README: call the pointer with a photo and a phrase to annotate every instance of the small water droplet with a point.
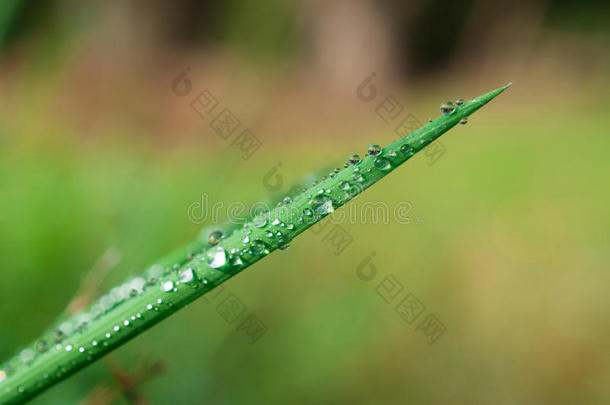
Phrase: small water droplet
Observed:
(167, 286)
(459, 102)
(307, 212)
(216, 257)
(344, 186)
(116, 328)
(373, 150)
(81, 349)
(358, 177)
(287, 200)
(447, 107)
(94, 343)
(108, 336)
(354, 159)
(247, 239)
(68, 348)
(125, 322)
(464, 121)
(284, 247)
(215, 237)
(276, 221)
(290, 227)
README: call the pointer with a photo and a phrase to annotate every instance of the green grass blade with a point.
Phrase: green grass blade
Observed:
(190, 272)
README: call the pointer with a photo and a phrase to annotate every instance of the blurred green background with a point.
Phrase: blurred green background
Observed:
(508, 243)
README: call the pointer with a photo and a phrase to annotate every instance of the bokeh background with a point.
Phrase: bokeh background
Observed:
(507, 243)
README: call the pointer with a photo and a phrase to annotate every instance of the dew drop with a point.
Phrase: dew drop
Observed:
(125, 322)
(187, 276)
(354, 159)
(285, 247)
(459, 102)
(464, 121)
(344, 186)
(276, 221)
(81, 349)
(290, 227)
(287, 200)
(407, 149)
(27, 356)
(247, 239)
(447, 107)
(307, 212)
(215, 237)
(258, 248)
(94, 343)
(116, 328)
(167, 286)
(216, 257)
(42, 346)
(373, 150)
(58, 336)
(235, 260)
(259, 221)
(322, 205)
(69, 348)
(382, 164)
(358, 177)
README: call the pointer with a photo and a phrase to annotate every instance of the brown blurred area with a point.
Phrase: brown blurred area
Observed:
(268, 59)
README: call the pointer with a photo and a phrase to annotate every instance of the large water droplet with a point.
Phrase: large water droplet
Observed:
(382, 164)
(187, 276)
(354, 159)
(215, 237)
(42, 346)
(27, 356)
(258, 247)
(447, 107)
(216, 257)
(167, 286)
(322, 205)
(407, 149)
(373, 150)
(259, 221)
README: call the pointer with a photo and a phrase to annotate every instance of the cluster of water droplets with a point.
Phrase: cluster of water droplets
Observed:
(449, 107)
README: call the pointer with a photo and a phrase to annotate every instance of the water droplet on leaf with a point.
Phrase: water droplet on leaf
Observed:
(373, 150)
(447, 107)
(216, 257)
